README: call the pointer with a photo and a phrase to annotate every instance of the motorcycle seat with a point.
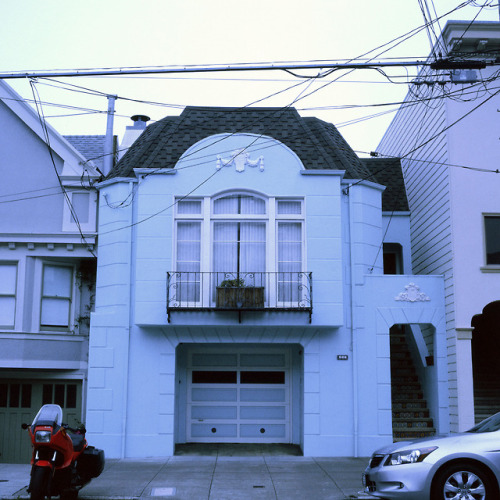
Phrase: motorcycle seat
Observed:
(78, 441)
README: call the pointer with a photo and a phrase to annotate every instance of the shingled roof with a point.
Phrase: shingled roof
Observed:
(388, 172)
(90, 146)
(318, 144)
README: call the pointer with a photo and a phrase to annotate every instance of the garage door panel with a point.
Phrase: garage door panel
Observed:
(257, 395)
(263, 431)
(263, 412)
(207, 394)
(211, 359)
(217, 431)
(263, 360)
(214, 412)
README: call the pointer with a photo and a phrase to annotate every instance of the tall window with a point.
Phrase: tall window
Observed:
(239, 243)
(492, 237)
(188, 250)
(289, 261)
(188, 260)
(57, 291)
(8, 285)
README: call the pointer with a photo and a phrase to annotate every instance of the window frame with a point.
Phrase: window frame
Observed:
(14, 295)
(488, 267)
(68, 224)
(73, 299)
(207, 218)
(289, 219)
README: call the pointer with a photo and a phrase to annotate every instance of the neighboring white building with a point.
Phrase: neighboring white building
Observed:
(240, 293)
(448, 138)
(47, 272)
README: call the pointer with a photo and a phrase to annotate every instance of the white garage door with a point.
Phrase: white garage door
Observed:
(239, 396)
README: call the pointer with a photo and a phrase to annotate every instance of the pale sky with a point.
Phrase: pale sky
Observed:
(65, 34)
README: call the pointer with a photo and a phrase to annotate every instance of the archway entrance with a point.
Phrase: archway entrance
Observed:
(486, 361)
(410, 387)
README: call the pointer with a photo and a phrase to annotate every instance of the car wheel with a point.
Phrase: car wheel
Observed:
(462, 480)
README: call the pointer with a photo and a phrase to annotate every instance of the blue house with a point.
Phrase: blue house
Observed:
(48, 244)
(241, 295)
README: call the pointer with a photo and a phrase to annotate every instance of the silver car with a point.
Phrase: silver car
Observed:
(461, 466)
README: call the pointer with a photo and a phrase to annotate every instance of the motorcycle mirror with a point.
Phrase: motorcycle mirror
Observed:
(24, 426)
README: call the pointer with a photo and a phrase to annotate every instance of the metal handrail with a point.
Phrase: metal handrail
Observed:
(284, 291)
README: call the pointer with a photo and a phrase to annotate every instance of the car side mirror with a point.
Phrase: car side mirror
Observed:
(24, 426)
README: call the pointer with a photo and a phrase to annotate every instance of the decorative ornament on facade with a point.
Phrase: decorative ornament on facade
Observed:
(412, 294)
(240, 159)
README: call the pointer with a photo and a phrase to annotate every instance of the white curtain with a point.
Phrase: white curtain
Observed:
(188, 261)
(289, 261)
(239, 249)
(287, 207)
(239, 204)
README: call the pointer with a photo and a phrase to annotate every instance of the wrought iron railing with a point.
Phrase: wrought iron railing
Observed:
(283, 291)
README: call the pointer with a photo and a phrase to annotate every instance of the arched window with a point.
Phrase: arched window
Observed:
(239, 237)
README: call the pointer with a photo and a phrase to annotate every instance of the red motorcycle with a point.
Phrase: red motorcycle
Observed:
(62, 462)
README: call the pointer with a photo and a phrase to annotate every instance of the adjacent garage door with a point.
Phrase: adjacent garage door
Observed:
(239, 397)
(20, 401)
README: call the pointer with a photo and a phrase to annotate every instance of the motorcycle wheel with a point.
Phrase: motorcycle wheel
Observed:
(38, 483)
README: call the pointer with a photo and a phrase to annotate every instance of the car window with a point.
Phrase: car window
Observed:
(491, 424)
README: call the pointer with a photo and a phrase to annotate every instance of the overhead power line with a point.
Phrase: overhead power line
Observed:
(238, 67)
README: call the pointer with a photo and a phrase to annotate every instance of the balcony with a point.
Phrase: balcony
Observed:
(239, 292)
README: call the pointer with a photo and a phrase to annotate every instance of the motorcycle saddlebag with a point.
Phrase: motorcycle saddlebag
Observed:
(91, 462)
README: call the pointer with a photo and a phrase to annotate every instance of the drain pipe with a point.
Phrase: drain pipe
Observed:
(354, 349)
(128, 332)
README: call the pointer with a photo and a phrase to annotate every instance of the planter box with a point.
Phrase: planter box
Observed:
(249, 297)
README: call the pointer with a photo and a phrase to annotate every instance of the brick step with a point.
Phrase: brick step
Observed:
(480, 416)
(486, 402)
(403, 371)
(400, 379)
(414, 431)
(409, 404)
(487, 392)
(400, 355)
(397, 397)
(410, 413)
(486, 410)
(401, 366)
(412, 423)
(403, 434)
(407, 386)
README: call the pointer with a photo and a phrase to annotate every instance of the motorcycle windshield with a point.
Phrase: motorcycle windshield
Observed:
(49, 415)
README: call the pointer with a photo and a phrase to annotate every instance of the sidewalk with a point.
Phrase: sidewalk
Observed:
(212, 478)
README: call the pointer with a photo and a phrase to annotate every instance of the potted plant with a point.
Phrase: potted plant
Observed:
(234, 283)
(235, 294)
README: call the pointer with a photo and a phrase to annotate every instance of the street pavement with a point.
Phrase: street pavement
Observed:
(262, 477)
